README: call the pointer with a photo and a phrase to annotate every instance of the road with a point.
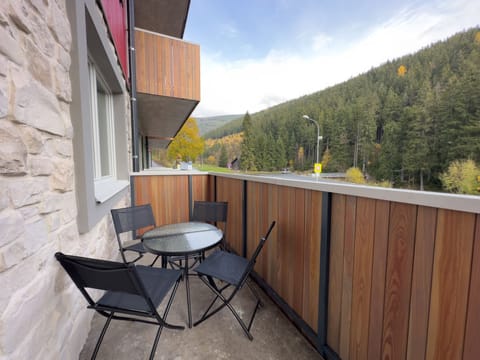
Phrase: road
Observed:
(323, 178)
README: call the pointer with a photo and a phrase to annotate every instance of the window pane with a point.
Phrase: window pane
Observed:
(103, 131)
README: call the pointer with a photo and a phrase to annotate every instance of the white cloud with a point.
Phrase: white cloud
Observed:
(320, 41)
(253, 85)
(229, 30)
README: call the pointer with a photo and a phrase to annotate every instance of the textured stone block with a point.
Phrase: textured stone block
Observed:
(40, 165)
(11, 46)
(37, 107)
(62, 147)
(62, 177)
(25, 305)
(63, 87)
(22, 16)
(52, 202)
(32, 139)
(60, 27)
(13, 152)
(27, 191)
(12, 224)
(4, 103)
(38, 64)
(4, 201)
(63, 58)
(36, 235)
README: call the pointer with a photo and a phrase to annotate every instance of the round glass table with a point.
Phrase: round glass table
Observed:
(182, 239)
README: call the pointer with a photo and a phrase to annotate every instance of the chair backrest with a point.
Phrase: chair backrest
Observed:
(88, 273)
(209, 211)
(253, 259)
(132, 218)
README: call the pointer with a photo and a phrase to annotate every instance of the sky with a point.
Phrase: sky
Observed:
(255, 54)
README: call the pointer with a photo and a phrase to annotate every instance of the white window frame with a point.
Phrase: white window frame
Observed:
(106, 185)
(95, 78)
(96, 195)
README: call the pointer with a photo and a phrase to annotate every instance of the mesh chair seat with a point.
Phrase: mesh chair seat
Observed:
(138, 247)
(157, 283)
(224, 266)
(233, 271)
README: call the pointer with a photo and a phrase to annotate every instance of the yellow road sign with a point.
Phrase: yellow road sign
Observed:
(317, 169)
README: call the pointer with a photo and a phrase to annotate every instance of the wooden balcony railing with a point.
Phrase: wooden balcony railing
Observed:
(364, 273)
(167, 66)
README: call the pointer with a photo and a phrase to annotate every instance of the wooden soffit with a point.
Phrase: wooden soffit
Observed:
(166, 17)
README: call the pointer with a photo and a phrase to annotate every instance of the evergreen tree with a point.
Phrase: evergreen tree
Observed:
(280, 160)
(409, 118)
(223, 159)
(247, 159)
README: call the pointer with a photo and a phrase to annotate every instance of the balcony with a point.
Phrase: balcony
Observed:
(363, 272)
(168, 83)
(220, 337)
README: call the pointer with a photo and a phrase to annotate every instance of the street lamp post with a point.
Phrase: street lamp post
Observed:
(318, 133)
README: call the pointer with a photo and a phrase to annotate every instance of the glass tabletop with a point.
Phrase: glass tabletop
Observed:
(181, 238)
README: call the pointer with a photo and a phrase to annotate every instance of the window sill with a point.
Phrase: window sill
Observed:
(107, 189)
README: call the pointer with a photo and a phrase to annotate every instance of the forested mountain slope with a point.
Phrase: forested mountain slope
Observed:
(406, 119)
(206, 125)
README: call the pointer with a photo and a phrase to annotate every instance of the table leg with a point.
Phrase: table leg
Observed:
(187, 286)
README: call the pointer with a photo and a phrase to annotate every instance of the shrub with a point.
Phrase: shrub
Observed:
(384, 183)
(355, 175)
(461, 177)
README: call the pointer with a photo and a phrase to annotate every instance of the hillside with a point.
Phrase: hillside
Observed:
(208, 124)
(404, 121)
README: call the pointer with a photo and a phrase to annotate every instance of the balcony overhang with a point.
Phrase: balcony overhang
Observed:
(168, 84)
(162, 16)
(161, 117)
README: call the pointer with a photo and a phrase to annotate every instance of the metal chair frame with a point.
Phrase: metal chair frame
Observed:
(132, 290)
(133, 218)
(204, 211)
(213, 268)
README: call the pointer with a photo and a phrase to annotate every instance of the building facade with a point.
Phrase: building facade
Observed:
(71, 133)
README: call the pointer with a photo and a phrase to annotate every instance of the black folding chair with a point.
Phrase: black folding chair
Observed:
(132, 219)
(211, 212)
(134, 291)
(233, 271)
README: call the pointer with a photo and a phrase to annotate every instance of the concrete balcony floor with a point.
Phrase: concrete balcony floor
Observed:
(219, 337)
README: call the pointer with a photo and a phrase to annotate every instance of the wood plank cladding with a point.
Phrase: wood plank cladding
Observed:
(169, 195)
(167, 66)
(231, 191)
(404, 281)
(290, 261)
(450, 284)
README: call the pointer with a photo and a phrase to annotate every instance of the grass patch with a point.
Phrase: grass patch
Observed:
(212, 168)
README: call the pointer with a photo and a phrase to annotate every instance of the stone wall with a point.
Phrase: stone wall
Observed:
(42, 315)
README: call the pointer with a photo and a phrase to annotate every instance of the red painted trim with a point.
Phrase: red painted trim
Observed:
(115, 12)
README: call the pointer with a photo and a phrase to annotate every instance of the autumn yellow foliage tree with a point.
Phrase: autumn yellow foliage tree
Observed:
(187, 144)
(477, 37)
(402, 70)
(461, 177)
(300, 155)
(326, 158)
(354, 175)
(231, 143)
